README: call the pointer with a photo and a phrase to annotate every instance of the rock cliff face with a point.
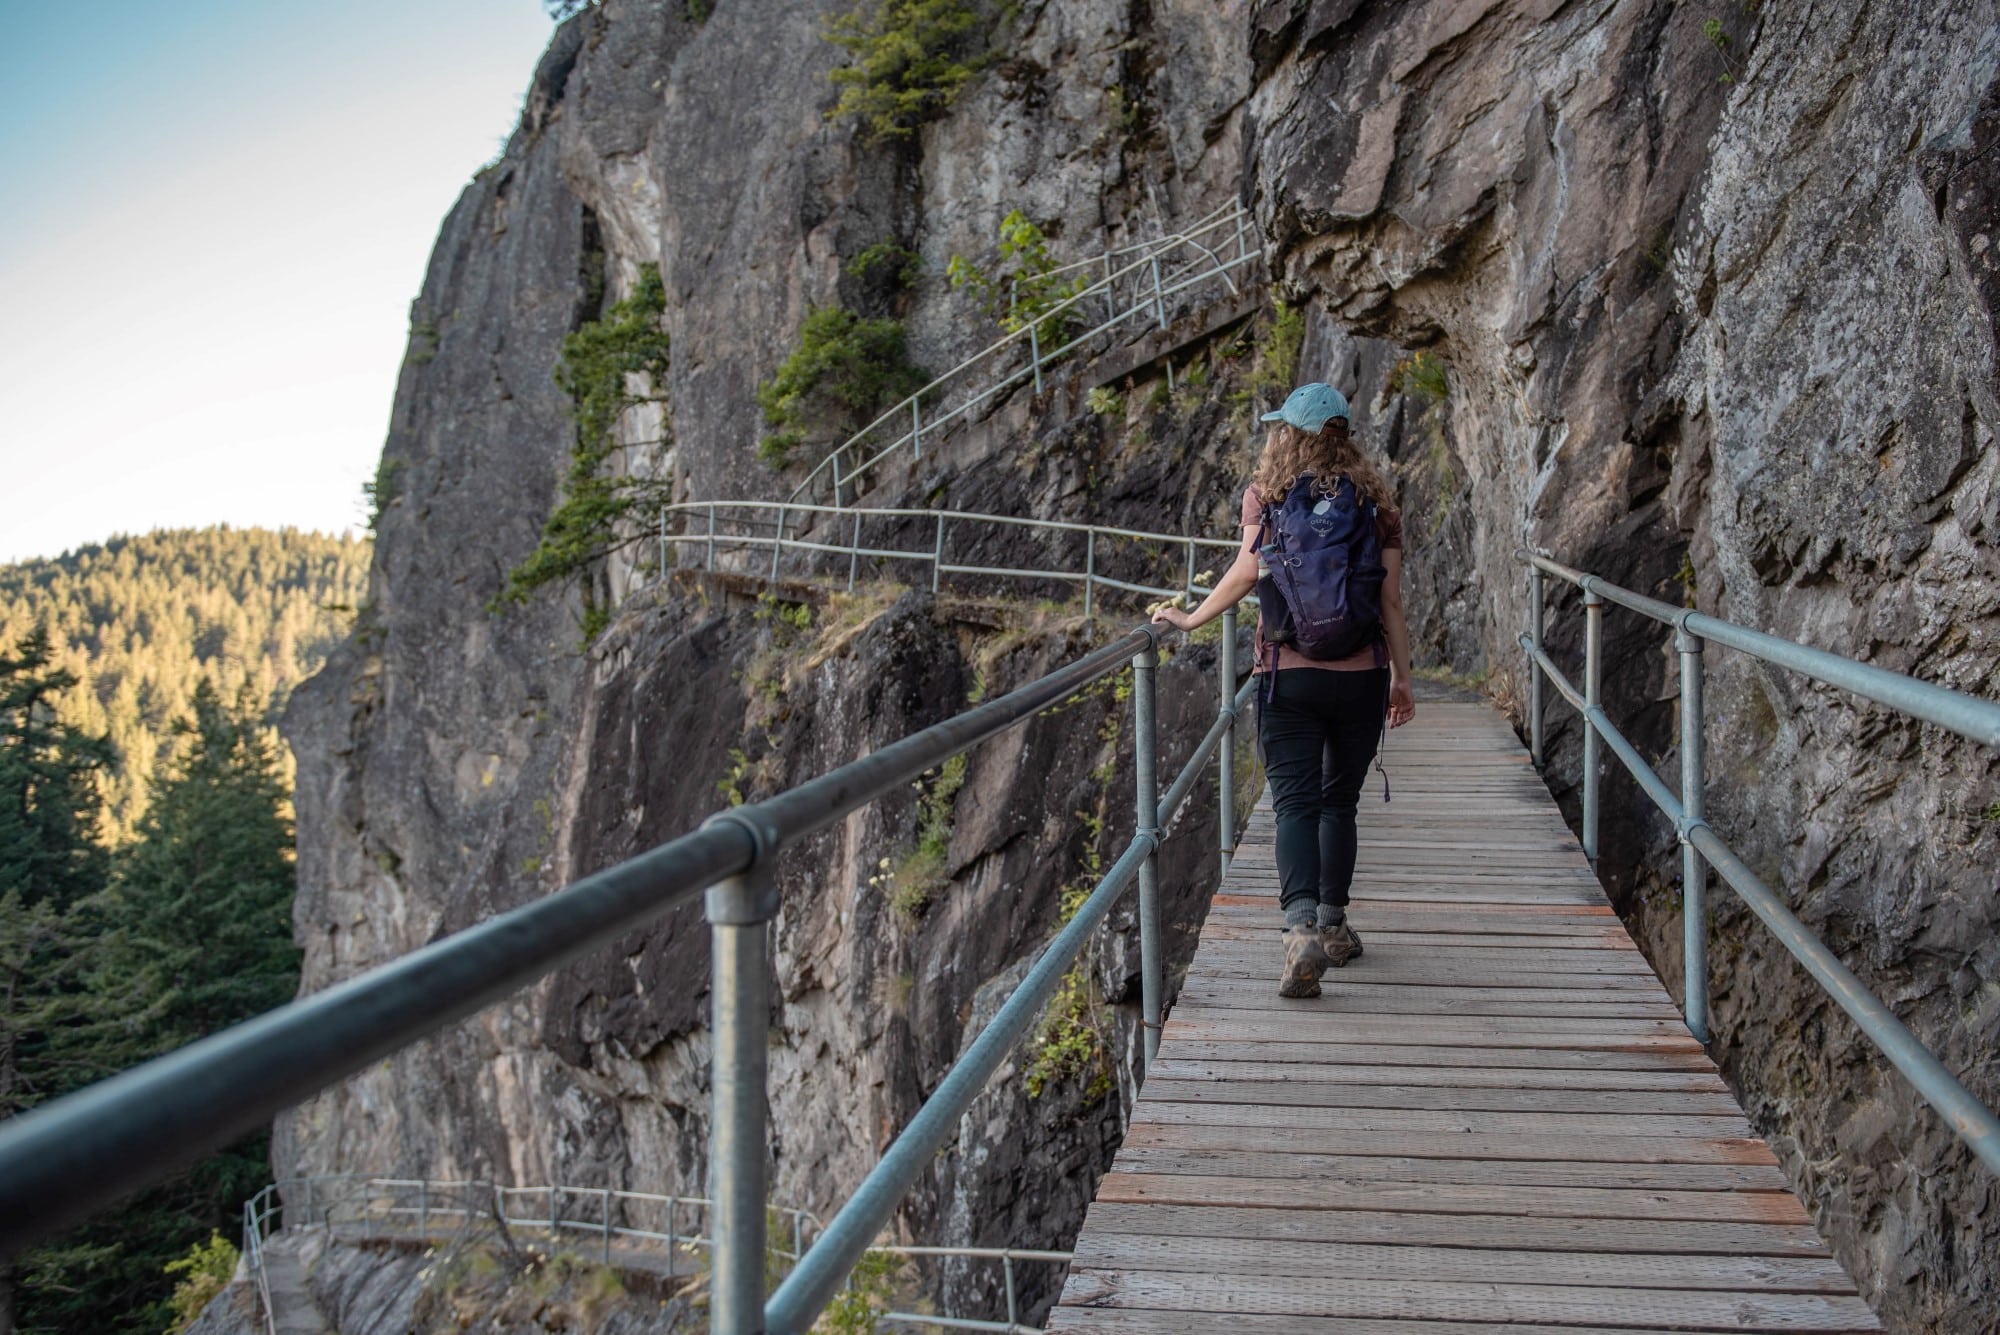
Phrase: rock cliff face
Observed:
(1713, 317)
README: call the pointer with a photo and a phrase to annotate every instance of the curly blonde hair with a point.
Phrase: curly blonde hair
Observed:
(1290, 453)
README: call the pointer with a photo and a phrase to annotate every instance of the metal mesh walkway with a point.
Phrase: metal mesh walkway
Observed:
(1494, 1118)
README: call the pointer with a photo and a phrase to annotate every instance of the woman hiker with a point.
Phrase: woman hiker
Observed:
(1322, 514)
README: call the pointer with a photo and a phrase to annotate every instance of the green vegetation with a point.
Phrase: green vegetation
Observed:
(908, 60)
(911, 882)
(379, 493)
(870, 1292)
(900, 263)
(1274, 362)
(1070, 1041)
(1025, 288)
(1420, 376)
(110, 957)
(1712, 30)
(208, 1267)
(845, 370)
(607, 366)
(1105, 402)
(1991, 815)
(134, 624)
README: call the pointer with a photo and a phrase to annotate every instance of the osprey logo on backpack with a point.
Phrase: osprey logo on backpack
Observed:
(1323, 594)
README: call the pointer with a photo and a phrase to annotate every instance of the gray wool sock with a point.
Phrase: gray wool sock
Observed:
(1302, 916)
(1332, 915)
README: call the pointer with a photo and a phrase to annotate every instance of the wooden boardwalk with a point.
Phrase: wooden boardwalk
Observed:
(1493, 1120)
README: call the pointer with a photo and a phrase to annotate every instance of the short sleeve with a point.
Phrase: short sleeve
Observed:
(1253, 506)
(1389, 528)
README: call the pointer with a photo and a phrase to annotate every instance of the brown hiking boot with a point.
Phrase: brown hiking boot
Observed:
(1341, 943)
(1305, 961)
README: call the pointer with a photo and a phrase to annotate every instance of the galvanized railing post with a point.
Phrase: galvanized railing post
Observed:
(778, 544)
(1035, 351)
(1536, 604)
(1593, 671)
(1188, 586)
(424, 1209)
(1225, 755)
(1146, 786)
(739, 913)
(1159, 298)
(663, 542)
(604, 1224)
(916, 427)
(1110, 292)
(1089, 569)
(711, 536)
(1694, 872)
(937, 555)
(854, 553)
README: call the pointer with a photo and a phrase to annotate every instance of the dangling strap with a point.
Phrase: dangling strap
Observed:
(1382, 745)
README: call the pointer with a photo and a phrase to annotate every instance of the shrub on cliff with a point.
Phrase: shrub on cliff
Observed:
(609, 365)
(908, 61)
(844, 371)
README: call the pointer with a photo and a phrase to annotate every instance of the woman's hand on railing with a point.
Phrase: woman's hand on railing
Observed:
(1402, 702)
(1166, 614)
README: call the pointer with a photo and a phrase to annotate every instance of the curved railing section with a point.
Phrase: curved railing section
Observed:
(1137, 284)
(712, 529)
(67, 1158)
(633, 1231)
(1701, 847)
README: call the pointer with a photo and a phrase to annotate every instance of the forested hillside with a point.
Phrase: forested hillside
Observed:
(146, 876)
(141, 621)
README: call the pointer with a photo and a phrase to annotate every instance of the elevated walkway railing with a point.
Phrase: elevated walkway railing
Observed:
(1968, 716)
(642, 1231)
(760, 525)
(68, 1158)
(1136, 286)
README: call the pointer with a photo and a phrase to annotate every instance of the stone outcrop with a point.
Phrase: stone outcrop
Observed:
(1714, 318)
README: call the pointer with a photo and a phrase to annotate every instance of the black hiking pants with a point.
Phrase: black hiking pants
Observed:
(1319, 730)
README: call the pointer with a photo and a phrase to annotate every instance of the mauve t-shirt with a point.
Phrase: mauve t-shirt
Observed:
(1389, 529)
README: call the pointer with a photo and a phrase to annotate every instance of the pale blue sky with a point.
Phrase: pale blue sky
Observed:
(213, 217)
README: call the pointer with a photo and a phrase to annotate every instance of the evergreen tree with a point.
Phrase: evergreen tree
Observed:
(204, 898)
(193, 935)
(49, 797)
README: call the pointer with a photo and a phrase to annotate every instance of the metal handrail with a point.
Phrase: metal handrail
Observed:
(854, 549)
(1701, 847)
(447, 1208)
(1153, 300)
(64, 1159)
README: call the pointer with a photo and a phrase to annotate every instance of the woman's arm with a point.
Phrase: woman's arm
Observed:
(1235, 584)
(1402, 694)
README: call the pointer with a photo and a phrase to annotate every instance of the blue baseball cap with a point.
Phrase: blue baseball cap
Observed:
(1310, 407)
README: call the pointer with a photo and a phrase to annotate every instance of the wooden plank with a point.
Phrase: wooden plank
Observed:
(1310, 1094)
(1417, 1122)
(1658, 1309)
(1431, 1031)
(1280, 1257)
(1468, 1076)
(1504, 1232)
(1529, 1202)
(1551, 1147)
(1124, 1321)
(1488, 1172)
(1331, 1057)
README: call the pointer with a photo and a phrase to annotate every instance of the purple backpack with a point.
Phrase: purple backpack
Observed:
(1323, 595)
